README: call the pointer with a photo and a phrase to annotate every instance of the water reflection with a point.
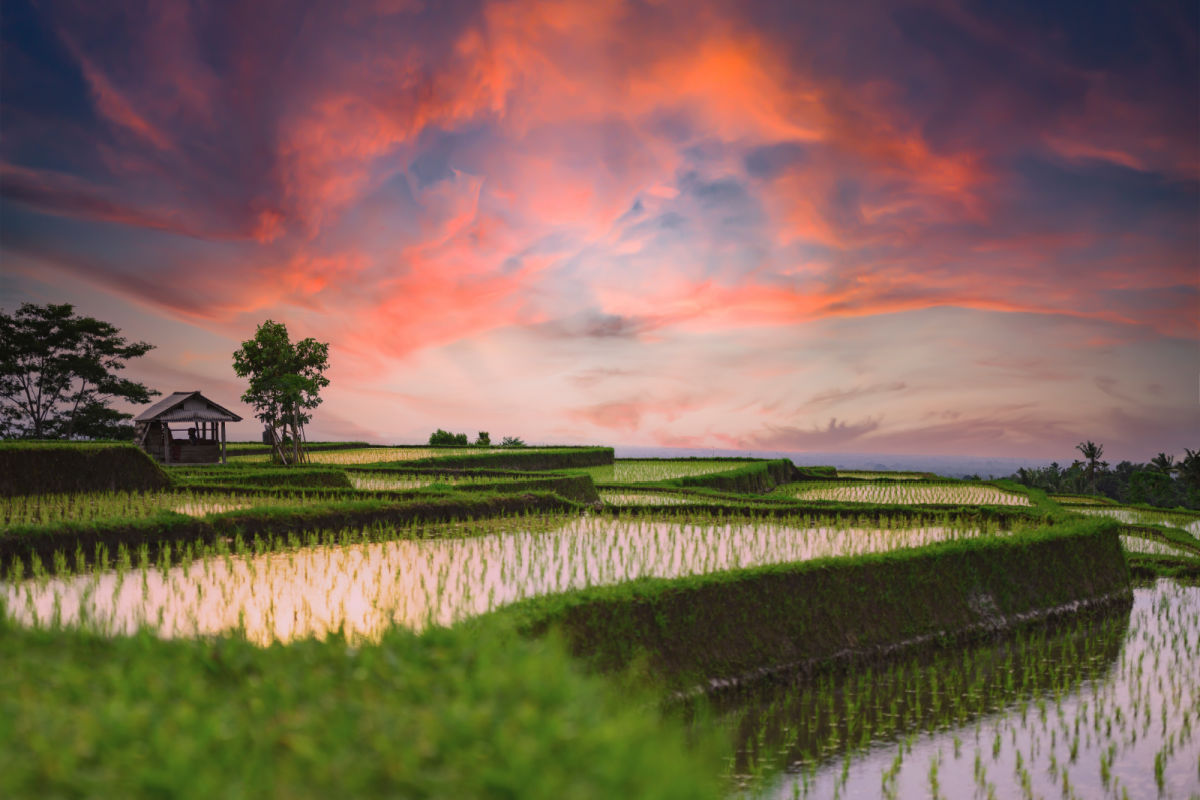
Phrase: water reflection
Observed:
(1102, 707)
(362, 588)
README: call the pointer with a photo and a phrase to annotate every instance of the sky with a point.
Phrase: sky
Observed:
(933, 228)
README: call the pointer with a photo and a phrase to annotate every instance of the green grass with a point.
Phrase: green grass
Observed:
(451, 714)
(721, 625)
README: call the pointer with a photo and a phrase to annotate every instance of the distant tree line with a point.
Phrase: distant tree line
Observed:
(1161, 482)
(441, 437)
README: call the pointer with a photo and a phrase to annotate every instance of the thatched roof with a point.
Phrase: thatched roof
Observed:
(186, 407)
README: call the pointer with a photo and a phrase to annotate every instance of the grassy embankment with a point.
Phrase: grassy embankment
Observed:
(718, 628)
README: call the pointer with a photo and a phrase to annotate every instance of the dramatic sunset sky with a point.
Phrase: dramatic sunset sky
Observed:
(955, 228)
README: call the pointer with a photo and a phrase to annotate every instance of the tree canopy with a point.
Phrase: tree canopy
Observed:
(59, 372)
(286, 379)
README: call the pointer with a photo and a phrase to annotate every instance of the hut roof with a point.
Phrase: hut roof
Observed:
(177, 408)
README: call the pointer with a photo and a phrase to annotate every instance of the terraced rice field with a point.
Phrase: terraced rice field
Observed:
(650, 470)
(903, 494)
(370, 482)
(92, 506)
(1139, 544)
(620, 498)
(1141, 516)
(1096, 708)
(361, 588)
(874, 476)
(378, 455)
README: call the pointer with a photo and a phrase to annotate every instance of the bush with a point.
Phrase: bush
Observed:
(441, 438)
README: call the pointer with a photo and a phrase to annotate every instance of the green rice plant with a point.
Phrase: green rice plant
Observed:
(448, 574)
(1114, 695)
(904, 493)
(447, 714)
(653, 470)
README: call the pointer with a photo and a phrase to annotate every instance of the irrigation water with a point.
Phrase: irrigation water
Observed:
(1143, 516)
(1096, 707)
(903, 493)
(362, 588)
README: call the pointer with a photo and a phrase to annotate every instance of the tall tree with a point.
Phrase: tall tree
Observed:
(58, 374)
(1164, 463)
(1189, 468)
(285, 384)
(1091, 454)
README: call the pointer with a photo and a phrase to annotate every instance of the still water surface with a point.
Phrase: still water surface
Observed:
(1095, 708)
(362, 588)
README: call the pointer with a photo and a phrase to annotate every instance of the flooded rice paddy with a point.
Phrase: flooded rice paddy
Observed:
(903, 494)
(618, 498)
(1141, 516)
(362, 588)
(650, 470)
(1097, 707)
(374, 455)
(93, 506)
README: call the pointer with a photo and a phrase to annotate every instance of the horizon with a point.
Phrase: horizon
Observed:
(961, 230)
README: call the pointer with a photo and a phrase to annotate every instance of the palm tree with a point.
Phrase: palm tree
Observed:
(1164, 463)
(1189, 469)
(1091, 454)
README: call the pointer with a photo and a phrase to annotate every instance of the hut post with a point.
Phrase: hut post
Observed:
(166, 436)
(223, 442)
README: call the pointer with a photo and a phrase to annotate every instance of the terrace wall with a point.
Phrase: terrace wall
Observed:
(53, 467)
(723, 629)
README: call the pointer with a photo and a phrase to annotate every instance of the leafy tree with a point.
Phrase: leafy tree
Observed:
(1091, 454)
(58, 373)
(285, 384)
(512, 441)
(484, 439)
(447, 439)
(1153, 487)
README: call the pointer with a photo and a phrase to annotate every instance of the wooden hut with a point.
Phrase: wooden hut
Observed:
(199, 433)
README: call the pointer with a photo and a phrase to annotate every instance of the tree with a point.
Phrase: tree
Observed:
(484, 439)
(1091, 454)
(285, 383)
(58, 373)
(1189, 468)
(1164, 463)
(446, 438)
(512, 441)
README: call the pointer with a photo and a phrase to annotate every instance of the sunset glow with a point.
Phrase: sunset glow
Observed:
(952, 228)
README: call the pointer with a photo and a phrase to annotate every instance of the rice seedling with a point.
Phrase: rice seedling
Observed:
(1143, 516)
(454, 714)
(383, 482)
(375, 455)
(1140, 544)
(620, 498)
(866, 475)
(95, 506)
(1098, 707)
(903, 493)
(364, 588)
(651, 470)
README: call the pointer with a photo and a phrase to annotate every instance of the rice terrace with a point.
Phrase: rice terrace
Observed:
(787, 631)
(599, 400)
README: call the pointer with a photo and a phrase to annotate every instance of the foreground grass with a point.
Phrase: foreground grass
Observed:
(445, 714)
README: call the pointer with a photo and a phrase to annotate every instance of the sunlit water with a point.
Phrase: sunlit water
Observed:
(1138, 516)
(362, 588)
(1098, 708)
(906, 494)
